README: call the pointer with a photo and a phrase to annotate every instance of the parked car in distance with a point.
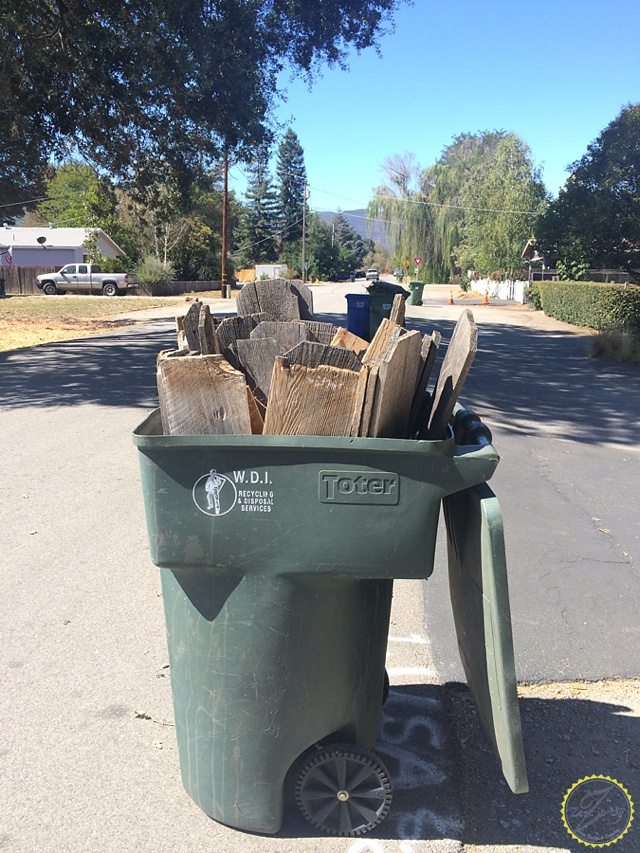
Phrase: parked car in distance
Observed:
(85, 278)
(372, 274)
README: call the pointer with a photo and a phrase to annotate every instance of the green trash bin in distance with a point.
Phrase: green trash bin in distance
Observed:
(381, 295)
(277, 557)
(416, 289)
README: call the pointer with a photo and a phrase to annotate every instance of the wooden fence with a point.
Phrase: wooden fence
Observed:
(22, 281)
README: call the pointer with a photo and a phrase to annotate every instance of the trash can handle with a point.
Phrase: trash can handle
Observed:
(474, 458)
(468, 428)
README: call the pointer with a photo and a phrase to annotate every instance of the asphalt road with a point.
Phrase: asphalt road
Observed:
(88, 759)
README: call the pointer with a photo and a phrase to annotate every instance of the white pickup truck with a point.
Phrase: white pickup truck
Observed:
(85, 278)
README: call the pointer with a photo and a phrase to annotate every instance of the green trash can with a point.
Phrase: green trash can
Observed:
(277, 556)
(381, 296)
(416, 289)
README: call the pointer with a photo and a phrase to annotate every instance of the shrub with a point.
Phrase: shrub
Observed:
(532, 294)
(152, 276)
(599, 306)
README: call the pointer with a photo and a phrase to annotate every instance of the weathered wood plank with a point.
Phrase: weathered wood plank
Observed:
(322, 332)
(455, 367)
(255, 416)
(310, 400)
(313, 354)
(180, 335)
(190, 325)
(288, 334)
(421, 402)
(285, 300)
(257, 358)
(207, 335)
(237, 328)
(398, 309)
(202, 395)
(348, 340)
(397, 375)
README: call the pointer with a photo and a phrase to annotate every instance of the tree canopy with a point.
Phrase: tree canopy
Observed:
(475, 207)
(146, 89)
(595, 221)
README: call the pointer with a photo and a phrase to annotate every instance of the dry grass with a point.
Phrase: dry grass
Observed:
(29, 320)
(617, 346)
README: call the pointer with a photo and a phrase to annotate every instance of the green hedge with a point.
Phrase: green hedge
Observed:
(588, 303)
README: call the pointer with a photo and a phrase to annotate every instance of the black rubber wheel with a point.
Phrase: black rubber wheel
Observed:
(344, 790)
(385, 687)
(49, 288)
(110, 289)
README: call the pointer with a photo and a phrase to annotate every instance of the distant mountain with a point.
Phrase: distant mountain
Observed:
(357, 219)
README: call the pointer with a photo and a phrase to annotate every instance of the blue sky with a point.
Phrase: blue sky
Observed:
(555, 72)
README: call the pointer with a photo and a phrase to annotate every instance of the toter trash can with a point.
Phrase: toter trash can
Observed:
(381, 294)
(277, 557)
(416, 289)
(358, 314)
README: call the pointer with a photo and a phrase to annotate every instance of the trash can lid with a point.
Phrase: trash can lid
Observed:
(386, 287)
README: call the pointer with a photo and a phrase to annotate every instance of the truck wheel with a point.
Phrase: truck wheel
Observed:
(49, 288)
(110, 289)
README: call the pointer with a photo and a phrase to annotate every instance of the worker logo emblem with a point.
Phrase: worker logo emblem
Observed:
(597, 811)
(214, 494)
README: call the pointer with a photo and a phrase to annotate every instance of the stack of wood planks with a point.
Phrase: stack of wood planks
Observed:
(274, 370)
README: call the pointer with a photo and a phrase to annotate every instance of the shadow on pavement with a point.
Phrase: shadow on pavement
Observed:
(565, 741)
(529, 376)
(115, 370)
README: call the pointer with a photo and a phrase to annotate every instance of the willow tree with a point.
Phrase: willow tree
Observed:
(399, 203)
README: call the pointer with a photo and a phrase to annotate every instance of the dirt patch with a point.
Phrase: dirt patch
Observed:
(26, 321)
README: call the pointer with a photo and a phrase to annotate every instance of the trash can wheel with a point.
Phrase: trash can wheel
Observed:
(344, 790)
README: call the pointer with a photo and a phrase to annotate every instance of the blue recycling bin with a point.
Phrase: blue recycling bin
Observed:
(358, 314)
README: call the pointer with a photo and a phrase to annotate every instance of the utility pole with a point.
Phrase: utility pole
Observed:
(305, 195)
(224, 287)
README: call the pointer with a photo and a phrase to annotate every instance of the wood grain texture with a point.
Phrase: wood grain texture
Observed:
(313, 354)
(180, 335)
(397, 376)
(398, 309)
(322, 332)
(237, 328)
(348, 340)
(255, 416)
(257, 358)
(207, 335)
(190, 326)
(284, 300)
(421, 403)
(287, 334)
(202, 395)
(310, 400)
(453, 372)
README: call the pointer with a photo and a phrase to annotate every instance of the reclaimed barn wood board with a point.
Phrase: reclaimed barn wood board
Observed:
(363, 404)
(322, 332)
(235, 328)
(421, 403)
(396, 381)
(288, 334)
(190, 326)
(202, 395)
(313, 354)
(275, 297)
(207, 335)
(348, 340)
(453, 372)
(180, 335)
(305, 299)
(310, 400)
(255, 415)
(398, 309)
(257, 358)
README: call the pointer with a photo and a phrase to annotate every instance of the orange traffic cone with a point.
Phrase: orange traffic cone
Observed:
(485, 301)
(450, 297)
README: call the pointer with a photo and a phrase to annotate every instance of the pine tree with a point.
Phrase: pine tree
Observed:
(259, 221)
(292, 179)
